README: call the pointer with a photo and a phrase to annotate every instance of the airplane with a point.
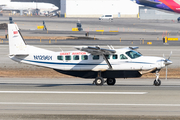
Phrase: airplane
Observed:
(28, 6)
(87, 61)
(167, 5)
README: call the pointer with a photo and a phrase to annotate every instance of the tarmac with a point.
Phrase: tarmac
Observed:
(140, 29)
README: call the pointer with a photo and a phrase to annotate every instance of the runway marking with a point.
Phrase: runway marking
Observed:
(69, 92)
(89, 104)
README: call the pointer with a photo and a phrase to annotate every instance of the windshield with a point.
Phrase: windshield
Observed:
(133, 54)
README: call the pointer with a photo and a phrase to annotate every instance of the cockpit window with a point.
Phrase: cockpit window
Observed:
(133, 54)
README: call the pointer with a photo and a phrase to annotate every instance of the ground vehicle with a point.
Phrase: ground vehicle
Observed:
(107, 17)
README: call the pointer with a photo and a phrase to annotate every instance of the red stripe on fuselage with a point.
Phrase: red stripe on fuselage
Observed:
(172, 4)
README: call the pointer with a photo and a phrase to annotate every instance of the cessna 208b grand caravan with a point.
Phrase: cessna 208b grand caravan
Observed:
(88, 62)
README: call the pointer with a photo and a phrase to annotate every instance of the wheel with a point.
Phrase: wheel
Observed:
(99, 81)
(157, 83)
(111, 81)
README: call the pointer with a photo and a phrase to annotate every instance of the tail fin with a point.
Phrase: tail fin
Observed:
(17, 45)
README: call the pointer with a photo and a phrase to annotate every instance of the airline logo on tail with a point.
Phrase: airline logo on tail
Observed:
(15, 32)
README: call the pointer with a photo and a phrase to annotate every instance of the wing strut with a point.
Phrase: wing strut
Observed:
(107, 61)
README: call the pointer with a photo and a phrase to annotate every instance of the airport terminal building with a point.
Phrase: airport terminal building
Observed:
(97, 8)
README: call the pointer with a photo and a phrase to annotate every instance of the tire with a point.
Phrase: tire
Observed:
(157, 83)
(111, 81)
(99, 81)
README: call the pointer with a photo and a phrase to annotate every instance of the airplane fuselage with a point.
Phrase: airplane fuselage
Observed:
(168, 5)
(75, 61)
(14, 6)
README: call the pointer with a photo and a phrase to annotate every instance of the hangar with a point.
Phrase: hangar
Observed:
(96, 8)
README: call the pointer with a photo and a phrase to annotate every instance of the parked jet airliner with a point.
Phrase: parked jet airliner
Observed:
(28, 6)
(168, 5)
(88, 61)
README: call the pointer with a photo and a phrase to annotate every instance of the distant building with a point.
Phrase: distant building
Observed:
(96, 8)
(55, 2)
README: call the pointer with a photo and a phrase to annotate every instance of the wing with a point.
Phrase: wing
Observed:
(96, 50)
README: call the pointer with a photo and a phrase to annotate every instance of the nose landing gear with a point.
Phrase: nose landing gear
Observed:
(157, 81)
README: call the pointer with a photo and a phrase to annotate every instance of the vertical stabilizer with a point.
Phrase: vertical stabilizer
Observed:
(17, 45)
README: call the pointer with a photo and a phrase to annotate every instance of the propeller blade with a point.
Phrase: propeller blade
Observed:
(170, 55)
(166, 72)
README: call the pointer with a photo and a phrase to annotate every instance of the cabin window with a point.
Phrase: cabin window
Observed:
(95, 57)
(68, 57)
(122, 56)
(60, 57)
(107, 56)
(75, 57)
(84, 57)
(115, 57)
(133, 54)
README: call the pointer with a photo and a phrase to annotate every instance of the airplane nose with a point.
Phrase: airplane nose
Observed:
(167, 62)
(56, 8)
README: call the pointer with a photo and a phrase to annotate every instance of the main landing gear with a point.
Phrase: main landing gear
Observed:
(157, 81)
(99, 81)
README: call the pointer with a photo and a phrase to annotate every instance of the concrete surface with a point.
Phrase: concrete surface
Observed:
(74, 96)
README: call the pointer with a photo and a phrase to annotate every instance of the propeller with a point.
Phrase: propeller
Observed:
(167, 62)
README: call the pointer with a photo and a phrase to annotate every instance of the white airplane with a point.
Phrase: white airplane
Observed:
(27, 6)
(87, 62)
